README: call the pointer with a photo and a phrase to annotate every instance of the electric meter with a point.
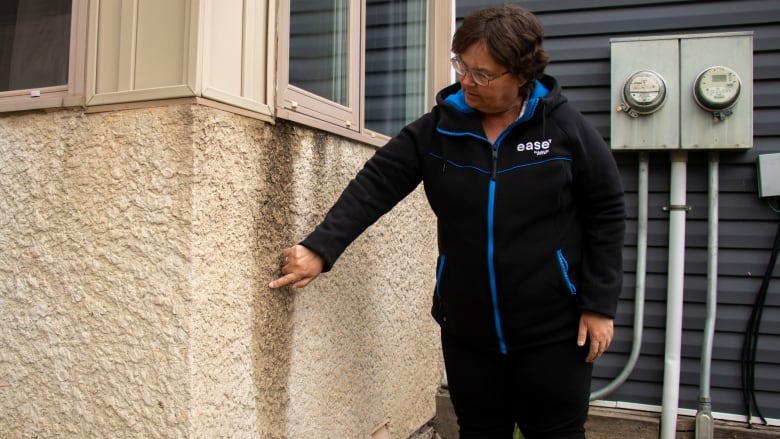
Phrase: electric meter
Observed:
(717, 89)
(644, 92)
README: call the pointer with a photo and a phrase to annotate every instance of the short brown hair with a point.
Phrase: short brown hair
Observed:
(513, 36)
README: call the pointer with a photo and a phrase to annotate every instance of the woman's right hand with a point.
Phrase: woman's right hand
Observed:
(300, 266)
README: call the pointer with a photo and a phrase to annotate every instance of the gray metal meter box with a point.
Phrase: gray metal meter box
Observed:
(768, 175)
(682, 92)
(653, 119)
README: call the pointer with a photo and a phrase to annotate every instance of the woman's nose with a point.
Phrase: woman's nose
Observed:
(467, 73)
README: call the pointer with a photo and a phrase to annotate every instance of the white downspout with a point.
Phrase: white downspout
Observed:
(704, 419)
(674, 304)
(641, 274)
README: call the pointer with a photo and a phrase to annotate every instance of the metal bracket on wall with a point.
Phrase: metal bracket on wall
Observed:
(677, 207)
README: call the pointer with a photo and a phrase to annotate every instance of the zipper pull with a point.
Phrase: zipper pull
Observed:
(495, 162)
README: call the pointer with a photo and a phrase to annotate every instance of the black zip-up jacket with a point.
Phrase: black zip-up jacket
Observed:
(530, 229)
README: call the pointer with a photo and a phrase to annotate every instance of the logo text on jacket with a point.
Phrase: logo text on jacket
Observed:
(539, 147)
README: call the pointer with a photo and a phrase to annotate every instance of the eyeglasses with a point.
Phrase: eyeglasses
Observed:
(480, 78)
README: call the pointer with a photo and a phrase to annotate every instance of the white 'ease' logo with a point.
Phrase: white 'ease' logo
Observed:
(538, 147)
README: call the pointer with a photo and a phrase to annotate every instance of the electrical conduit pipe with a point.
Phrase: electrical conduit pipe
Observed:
(674, 302)
(641, 273)
(704, 419)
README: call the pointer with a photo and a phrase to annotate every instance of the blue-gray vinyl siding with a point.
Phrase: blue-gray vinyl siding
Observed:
(577, 38)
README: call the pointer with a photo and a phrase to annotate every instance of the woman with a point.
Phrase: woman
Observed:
(530, 216)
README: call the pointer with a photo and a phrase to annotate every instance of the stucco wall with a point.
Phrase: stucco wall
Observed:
(135, 249)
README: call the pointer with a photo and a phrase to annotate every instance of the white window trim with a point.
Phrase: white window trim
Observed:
(67, 95)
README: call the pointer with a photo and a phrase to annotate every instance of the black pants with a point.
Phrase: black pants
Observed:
(545, 390)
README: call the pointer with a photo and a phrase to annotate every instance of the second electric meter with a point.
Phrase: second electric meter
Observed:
(717, 88)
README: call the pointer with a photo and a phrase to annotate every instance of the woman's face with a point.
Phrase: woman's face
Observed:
(501, 94)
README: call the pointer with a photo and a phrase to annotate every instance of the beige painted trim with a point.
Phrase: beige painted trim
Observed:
(125, 38)
(149, 94)
(9, 104)
(270, 56)
(193, 100)
(442, 26)
(92, 53)
(163, 35)
(223, 47)
(128, 35)
(139, 105)
(28, 92)
(194, 74)
(236, 101)
(192, 58)
(221, 61)
(78, 50)
(235, 50)
(367, 137)
(236, 110)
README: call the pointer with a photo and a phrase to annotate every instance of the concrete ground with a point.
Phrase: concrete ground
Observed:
(606, 423)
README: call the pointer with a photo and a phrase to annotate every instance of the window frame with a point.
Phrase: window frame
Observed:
(301, 106)
(293, 101)
(66, 95)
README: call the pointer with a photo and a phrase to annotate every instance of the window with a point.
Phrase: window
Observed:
(34, 40)
(395, 57)
(358, 67)
(39, 45)
(319, 48)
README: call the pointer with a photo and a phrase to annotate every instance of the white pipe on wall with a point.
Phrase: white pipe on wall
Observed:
(674, 302)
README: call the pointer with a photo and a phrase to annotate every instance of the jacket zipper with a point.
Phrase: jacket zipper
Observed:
(491, 250)
(494, 171)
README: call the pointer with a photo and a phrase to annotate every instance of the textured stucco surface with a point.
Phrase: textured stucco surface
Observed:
(364, 346)
(135, 249)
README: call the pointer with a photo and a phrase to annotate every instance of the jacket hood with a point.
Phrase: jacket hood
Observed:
(458, 117)
(546, 91)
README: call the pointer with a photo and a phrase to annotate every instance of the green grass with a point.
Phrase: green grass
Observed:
(517, 434)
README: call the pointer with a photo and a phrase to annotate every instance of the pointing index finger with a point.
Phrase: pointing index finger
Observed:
(285, 280)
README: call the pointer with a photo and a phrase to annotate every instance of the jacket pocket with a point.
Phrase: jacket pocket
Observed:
(564, 266)
(439, 273)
